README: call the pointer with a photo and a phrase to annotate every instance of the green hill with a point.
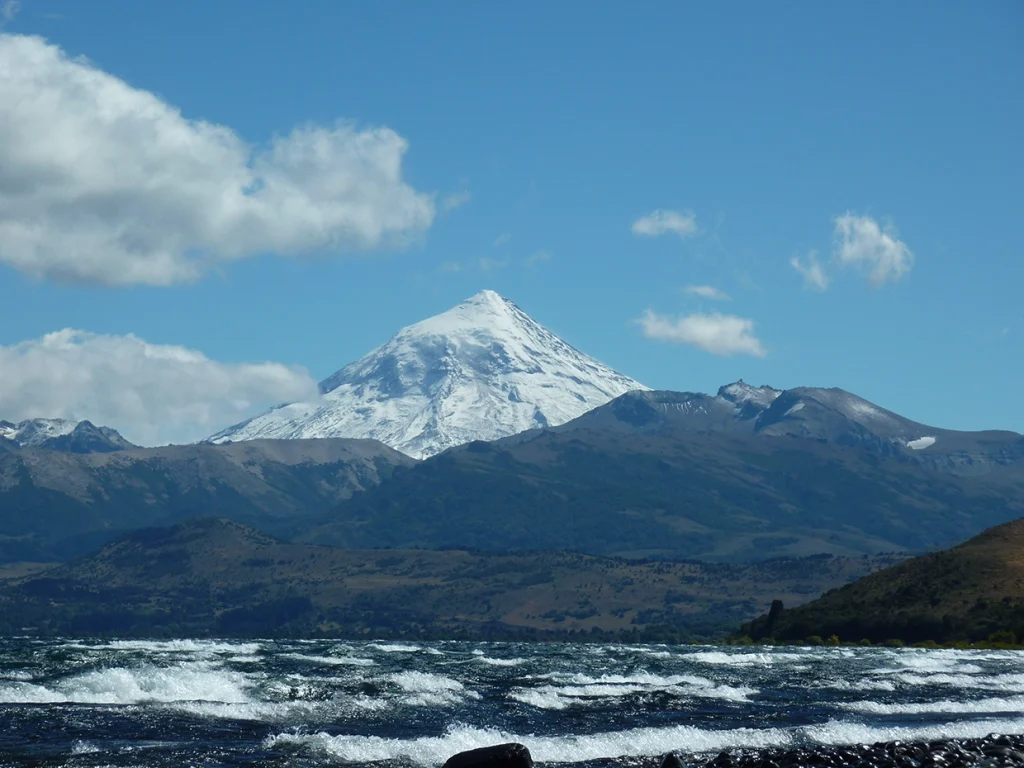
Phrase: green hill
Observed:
(968, 592)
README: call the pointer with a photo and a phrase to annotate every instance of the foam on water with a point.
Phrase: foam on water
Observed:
(499, 662)
(199, 647)
(403, 648)
(120, 685)
(430, 690)
(580, 688)
(344, 661)
(435, 750)
(743, 659)
(1010, 704)
(841, 732)
(637, 742)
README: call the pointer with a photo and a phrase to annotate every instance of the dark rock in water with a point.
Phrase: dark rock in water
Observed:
(671, 761)
(501, 756)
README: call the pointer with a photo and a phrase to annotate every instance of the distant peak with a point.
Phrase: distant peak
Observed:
(485, 296)
(740, 389)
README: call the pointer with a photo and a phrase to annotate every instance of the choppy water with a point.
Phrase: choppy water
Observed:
(150, 703)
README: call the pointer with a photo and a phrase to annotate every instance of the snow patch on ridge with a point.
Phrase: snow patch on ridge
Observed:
(35, 431)
(921, 443)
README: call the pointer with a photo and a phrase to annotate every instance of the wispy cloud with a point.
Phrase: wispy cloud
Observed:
(715, 333)
(457, 200)
(537, 257)
(183, 195)
(708, 292)
(663, 222)
(501, 239)
(8, 10)
(450, 266)
(489, 265)
(861, 242)
(812, 272)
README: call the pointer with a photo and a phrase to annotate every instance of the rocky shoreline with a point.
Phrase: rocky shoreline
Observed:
(993, 751)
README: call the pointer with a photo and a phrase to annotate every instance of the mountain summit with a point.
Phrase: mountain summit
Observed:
(480, 371)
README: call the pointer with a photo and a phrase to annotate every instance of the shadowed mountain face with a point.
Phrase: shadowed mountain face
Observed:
(55, 504)
(965, 593)
(747, 474)
(215, 576)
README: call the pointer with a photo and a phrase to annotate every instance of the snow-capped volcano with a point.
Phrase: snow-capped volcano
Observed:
(480, 371)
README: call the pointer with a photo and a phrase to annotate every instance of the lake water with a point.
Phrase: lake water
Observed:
(185, 702)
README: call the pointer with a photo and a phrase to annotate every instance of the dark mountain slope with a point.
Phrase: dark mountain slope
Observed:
(215, 576)
(683, 475)
(964, 593)
(55, 504)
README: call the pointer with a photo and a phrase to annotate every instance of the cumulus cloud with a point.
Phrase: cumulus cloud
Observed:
(707, 292)
(715, 333)
(861, 242)
(105, 183)
(662, 222)
(457, 200)
(151, 393)
(812, 272)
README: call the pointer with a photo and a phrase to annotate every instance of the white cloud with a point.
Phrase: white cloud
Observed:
(451, 266)
(537, 257)
(812, 272)
(152, 393)
(661, 222)
(105, 183)
(707, 292)
(501, 239)
(457, 200)
(861, 242)
(716, 333)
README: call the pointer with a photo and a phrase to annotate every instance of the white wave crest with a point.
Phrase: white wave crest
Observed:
(429, 690)
(744, 659)
(201, 647)
(340, 661)
(499, 662)
(638, 742)
(581, 688)
(435, 750)
(119, 685)
(993, 705)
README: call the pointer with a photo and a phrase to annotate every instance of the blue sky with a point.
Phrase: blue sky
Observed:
(527, 149)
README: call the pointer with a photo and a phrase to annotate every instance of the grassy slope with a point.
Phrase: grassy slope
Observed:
(964, 593)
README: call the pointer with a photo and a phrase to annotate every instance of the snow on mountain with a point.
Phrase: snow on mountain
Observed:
(741, 393)
(32, 432)
(63, 435)
(480, 371)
